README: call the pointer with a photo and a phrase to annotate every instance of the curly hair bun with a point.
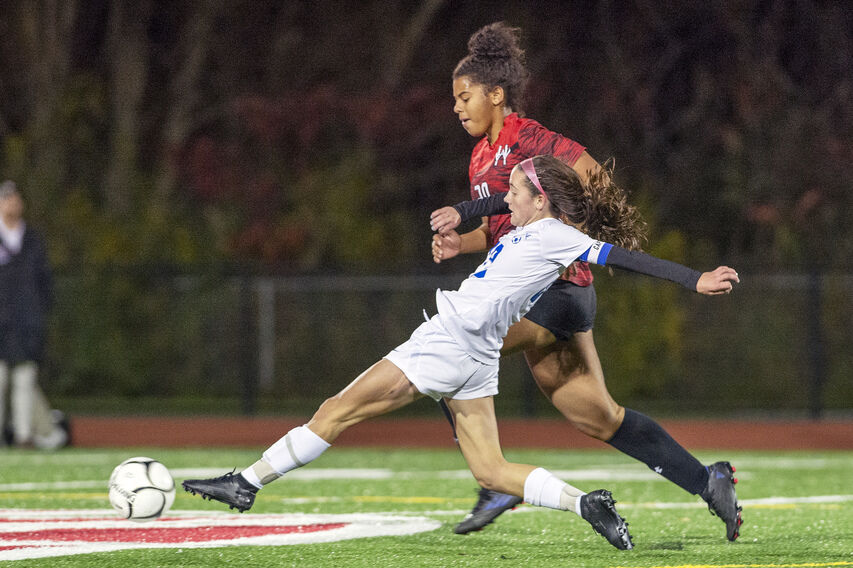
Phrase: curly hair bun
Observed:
(495, 59)
(496, 41)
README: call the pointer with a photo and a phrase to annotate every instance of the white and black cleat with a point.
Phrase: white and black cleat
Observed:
(599, 510)
(233, 490)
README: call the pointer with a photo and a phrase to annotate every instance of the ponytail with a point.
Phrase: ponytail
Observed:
(610, 218)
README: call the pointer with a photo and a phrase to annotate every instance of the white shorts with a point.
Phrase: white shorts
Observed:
(433, 361)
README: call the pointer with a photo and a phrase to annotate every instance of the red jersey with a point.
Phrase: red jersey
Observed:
(491, 164)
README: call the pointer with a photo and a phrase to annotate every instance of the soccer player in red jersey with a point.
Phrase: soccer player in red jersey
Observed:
(556, 335)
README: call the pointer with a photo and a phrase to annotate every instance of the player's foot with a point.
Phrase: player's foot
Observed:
(721, 497)
(489, 506)
(598, 509)
(233, 490)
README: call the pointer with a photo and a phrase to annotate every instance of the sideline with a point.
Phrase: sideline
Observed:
(216, 431)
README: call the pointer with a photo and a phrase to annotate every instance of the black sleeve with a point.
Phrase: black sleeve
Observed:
(643, 263)
(491, 205)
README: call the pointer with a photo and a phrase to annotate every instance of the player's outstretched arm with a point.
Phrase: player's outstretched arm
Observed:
(719, 281)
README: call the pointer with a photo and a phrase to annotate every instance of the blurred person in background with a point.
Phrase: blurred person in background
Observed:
(26, 295)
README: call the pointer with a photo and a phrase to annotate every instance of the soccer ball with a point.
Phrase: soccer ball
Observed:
(141, 489)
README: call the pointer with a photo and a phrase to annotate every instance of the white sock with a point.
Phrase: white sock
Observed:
(542, 488)
(250, 474)
(570, 499)
(298, 447)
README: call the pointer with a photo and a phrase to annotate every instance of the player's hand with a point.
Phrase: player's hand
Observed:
(446, 246)
(444, 220)
(719, 281)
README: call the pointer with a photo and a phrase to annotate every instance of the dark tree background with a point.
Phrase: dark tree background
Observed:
(306, 136)
(222, 139)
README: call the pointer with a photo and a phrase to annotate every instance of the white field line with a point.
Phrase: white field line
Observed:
(60, 458)
(330, 474)
(53, 485)
(769, 501)
(741, 460)
(637, 473)
(765, 502)
(794, 462)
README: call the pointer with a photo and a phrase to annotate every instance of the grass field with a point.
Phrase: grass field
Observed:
(798, 512)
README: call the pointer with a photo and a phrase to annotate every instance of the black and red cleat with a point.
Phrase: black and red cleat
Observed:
(722, 499)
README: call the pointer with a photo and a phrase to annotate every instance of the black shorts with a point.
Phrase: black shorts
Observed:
(565, 309)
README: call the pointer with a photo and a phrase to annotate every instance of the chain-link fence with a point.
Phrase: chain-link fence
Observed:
(135, 342)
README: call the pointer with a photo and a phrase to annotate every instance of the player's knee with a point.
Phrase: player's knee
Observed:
(597, 430)
(601, 425)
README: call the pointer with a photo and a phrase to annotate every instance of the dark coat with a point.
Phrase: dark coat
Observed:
(26, 295)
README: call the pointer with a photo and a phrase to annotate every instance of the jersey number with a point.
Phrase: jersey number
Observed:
(482, 190)
(493, 254)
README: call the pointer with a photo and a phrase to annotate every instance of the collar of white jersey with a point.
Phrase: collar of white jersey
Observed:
(537, 221)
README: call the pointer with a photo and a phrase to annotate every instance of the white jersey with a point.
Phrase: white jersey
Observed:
(518, 269)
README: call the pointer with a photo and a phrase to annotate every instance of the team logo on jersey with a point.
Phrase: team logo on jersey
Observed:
(502, 153)
(516, 239)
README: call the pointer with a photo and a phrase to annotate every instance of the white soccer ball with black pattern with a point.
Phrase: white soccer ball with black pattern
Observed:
(141, 489)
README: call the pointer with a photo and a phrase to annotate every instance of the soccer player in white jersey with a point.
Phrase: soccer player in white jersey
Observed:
(455, 354)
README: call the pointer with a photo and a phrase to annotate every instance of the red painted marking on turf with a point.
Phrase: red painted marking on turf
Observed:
(16, 547)
(68, 520)
(168, 535)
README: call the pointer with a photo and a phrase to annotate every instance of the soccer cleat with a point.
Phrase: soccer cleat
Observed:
(490, 505)
(233, 490)
(721, 497)
(598, 509)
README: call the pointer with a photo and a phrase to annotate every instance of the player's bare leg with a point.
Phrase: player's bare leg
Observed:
(380, 389)
(477, 431)
(569, 374)
(491, 504)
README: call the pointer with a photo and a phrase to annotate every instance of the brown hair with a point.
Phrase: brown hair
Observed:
(495, 59)
(600, 207)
